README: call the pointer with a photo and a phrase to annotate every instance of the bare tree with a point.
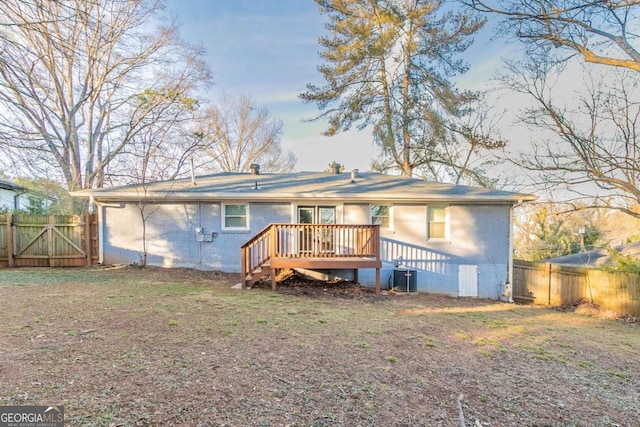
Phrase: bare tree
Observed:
(160, 152)
(75, 92)
(600, 32)
(238, 133)
(588, 146)
(463, 158)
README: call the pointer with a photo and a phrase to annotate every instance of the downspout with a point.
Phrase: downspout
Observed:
(16, 199)
(507, 294)
(100, 210)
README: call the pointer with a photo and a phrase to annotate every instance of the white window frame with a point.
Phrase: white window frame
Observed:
(382, 228)
(223, 217)
(445, 222)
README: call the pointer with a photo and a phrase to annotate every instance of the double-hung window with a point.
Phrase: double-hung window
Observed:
(235, 216)
(436, 222)
(381, 215)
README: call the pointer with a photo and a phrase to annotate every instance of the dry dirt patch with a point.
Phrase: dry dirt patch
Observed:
(141, 347)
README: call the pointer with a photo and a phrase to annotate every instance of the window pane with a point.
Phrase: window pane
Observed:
(235, 222)
(381, 221)
(380, 216)
(305, 216)
(436, 230)
(436, 214)
(327, 215)
(235, 210)
(380, 210)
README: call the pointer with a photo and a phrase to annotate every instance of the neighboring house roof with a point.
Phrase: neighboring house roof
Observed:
(303, 185)
(596, 256)
(8, 185)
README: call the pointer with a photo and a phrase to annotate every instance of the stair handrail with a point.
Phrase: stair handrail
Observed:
(264, 252)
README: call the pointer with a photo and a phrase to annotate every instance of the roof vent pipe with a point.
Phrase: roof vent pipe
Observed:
(354, 174)
(335, 168)
(193, 172)
(255, 169)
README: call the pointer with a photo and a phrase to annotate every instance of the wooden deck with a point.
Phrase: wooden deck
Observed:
(311, 246)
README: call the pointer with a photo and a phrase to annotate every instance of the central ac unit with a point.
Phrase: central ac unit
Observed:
(404, 280)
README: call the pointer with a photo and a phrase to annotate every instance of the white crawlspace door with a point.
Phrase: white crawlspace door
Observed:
(468, 280)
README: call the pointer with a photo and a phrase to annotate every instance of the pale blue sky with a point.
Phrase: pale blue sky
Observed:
(268, 49)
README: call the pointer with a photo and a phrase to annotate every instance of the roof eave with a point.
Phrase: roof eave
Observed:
(283, 197)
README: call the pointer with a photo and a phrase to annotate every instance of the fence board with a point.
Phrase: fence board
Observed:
(5, 240)
(552, 284)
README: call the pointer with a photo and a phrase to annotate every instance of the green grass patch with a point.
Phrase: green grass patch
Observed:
(541, 353)
(462, 335)
(619, 374)
(586, 364)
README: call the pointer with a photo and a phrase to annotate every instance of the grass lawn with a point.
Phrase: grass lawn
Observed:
(142, 347)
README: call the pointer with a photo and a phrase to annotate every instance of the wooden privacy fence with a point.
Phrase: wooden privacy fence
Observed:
(553, 284)
(48, 240)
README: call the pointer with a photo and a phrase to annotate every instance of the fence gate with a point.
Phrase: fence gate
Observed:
(48, 240)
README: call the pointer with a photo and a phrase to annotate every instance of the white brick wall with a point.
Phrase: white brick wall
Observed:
(478, 235)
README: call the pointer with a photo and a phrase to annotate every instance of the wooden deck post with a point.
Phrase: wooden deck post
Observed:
(376, 251)
(243, 260)
(273, 251)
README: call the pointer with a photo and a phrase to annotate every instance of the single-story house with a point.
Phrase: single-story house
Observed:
(13, 196)
(439, 238)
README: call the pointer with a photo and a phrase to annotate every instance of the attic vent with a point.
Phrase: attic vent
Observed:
(255, 169)
(334, 168)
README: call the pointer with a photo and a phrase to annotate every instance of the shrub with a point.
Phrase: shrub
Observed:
(622, 263)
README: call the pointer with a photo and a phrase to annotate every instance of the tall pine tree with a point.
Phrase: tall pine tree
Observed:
(389, 64)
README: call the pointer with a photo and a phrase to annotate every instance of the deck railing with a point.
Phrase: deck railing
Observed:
(310, 241)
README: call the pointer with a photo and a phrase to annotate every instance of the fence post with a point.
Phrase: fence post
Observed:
(11, 250)
(548, 283)
(87, 238)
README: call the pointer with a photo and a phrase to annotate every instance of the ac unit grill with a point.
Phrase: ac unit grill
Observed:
(404, 280)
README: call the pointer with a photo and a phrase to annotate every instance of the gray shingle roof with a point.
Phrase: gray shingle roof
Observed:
(304, 185)
(8, 185)
(596, 257)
